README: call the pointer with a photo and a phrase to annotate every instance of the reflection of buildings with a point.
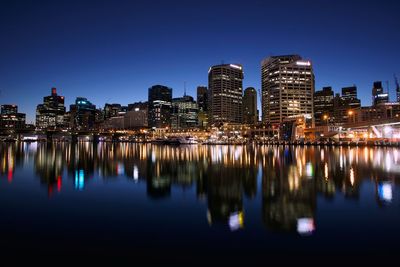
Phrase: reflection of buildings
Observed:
(291, 177)
(288, 189)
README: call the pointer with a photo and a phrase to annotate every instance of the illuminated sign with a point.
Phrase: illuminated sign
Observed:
(303, 63)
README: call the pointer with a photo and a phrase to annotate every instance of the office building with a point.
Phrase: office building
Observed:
(287, 88)
(378, 94)
(82, 114)
(250, 112)
(202, 98)
(323, 106)
(10, 119)
(159, 101)
(225, 83)
(50, 114)
(184, 113)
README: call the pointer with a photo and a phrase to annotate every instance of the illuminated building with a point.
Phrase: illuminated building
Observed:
(160, 98)
(10, 119)
(82, 114)
(378, 95)
(323, 106)
(225, 83)
(51, 113)
(250, 112)
(184, 112)
(287, 88)
(345, 106)
(111, 110)
(137, 115)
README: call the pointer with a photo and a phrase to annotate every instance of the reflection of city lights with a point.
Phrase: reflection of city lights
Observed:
(305, 226)
(326, 171)
(385, 191)
(79, 179)
(309, 170)
(120, 169)
(236, 221)
(352, 176)
(135, 173)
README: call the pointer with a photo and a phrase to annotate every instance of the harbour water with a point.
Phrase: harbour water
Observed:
(196, 204)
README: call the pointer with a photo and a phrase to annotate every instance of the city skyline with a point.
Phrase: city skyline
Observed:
(104, 53)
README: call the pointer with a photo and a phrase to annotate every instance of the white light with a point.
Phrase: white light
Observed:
(136, 109)
(135, 173)
(235, 66)
(385, 191)
(303, 63)
(305, 226)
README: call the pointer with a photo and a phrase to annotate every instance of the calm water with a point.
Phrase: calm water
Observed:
(188, 205)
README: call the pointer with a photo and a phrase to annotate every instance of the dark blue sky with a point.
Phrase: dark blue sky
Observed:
(112, 51)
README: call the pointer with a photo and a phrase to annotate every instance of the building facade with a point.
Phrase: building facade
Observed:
(287, 88)
(159, 99)
(50, 114)
(378, 94)
(82, 114)
(225, 96)
(10, 119)
(184, 113)
(250, 112)
(323, 106)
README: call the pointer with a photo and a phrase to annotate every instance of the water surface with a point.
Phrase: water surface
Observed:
(206, 205)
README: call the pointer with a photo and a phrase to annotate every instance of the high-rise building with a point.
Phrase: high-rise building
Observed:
(82, 114)
(184, 112)
(345, 106)
(287, 88)
(202, 98)
(51, 113)
(323, 106)
(160, 98)
(378, 94)
(10, 119)
(250, 115)
(225, 83)
(202, 103)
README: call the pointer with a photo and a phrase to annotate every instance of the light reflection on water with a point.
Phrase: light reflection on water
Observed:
(243, 186)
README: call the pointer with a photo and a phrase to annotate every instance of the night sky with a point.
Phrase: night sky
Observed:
(113, 51)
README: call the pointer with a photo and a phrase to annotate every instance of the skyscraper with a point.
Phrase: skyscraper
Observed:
(225, 83)
(397, 89)
(202, 98)
(184, 112)
(378, 95)
(287, 88)
(51, 113)
(202, 103)
(250, 115)
(323, 106)
(83, 114)
(160, 98)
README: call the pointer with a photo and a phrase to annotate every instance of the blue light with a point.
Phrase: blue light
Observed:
(79, 179)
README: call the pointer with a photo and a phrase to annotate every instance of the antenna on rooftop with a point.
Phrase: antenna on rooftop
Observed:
(184, 88)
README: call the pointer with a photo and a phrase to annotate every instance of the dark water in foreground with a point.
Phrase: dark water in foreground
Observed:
(206, 205)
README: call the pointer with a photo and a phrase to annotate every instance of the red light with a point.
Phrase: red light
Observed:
(59, 183)
(10, 176)
(53, 91)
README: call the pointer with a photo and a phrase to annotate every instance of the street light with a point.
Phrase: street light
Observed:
(351, 113)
